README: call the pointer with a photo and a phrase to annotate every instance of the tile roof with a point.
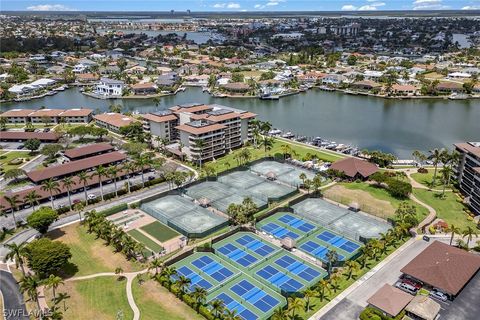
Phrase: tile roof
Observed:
(200, 130)
(88, 150)
(20, 135)
(75, 166)
(467, 147)
(76, 112)
(17, 113)
(444, 267)
(46, 113)
(158, 118)
(194, 108)
(114, 119)
(353, 166)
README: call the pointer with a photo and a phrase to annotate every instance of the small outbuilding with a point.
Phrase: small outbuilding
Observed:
(355, 168)
(422, 308)
(390, 300)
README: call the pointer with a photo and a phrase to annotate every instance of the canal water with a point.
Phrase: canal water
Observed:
(397, 126)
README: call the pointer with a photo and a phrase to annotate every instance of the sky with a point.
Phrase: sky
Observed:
(236, 5)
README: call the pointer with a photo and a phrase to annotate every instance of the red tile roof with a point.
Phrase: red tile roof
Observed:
(114, 119)
(445, 267)
(159, 119)
(353, 166)
(200, 130)
(75, 166)
(76, 113)
(46, 113)
(17, 113)
(88, 150)
(467, 147)
(198, 108)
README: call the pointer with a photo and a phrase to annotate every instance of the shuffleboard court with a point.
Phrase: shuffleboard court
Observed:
(149, 243)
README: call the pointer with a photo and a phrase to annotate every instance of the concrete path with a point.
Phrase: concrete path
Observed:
(432, 213)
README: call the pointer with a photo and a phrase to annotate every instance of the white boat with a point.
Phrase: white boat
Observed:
(274, 132)
(61, 88)
(288, 135)
(458, 96)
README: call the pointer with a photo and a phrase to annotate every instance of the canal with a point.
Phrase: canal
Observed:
(397, 126)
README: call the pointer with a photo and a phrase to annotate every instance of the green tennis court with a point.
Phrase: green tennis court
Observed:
(149, 243)
(160, 231)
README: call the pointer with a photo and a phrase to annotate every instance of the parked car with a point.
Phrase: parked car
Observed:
(47, 130)
(91, 197)
(406, 287)
(436, 294)
(20, 147)
(414, 284)
(150, 178)
(76, 201)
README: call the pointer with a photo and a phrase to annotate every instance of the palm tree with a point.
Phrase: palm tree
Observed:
(469, 233)
(130, 168)
(62, 296)
(447, 172)
(84, 177)
(183, 283)
(280, 314)
(100, 172)
(30, 285)
(51, 186)
(53, 282)
(68, 183)
(286, 149)
(200, 144)
(351, 267)
(332, 257)
(231, 315)
(14, 201)
(142, 162)
(217, 307)
(436, 156)
(167, 273)
(17, 252)
(156, 264)
(303, 177)
(112, 173)
(307, 295)
(200, 296)
(32, 198)
(334, 277)
(267, 143)
(453, 229)
(294, 305)
(79, 207)
(323, 285)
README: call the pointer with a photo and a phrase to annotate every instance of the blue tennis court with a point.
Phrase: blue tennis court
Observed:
(297, 223)
(255, 296)
(279, 279)
(196, 279)
(298, 268)
(338, 241)
(232, 304)
(278, 231)
(318, 250)
(238, 255)
(214, 269)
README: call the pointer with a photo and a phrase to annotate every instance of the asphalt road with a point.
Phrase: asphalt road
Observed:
(14, 306)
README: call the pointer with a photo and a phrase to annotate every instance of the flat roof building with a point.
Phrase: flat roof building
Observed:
(468, 173)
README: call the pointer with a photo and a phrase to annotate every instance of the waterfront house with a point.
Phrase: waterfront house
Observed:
(450, 87)
(110, 87)
(366, 85)
(87, 78)
(113, 121)
(197, 80)
(333, 79)
(236, 87)
(144, 88)
(405, 89)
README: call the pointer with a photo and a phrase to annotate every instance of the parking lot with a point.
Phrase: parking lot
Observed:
(466, 306)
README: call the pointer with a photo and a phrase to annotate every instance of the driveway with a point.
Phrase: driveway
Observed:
(467, 305)
(14, 306)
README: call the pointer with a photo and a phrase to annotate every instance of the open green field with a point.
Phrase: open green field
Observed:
(160, 231)
(229, 160)
(449, 209)
(90, 255)
(98, 298)
(427, 178)
(155, 302)
(149, 243)
(371, 199)
(5, 158)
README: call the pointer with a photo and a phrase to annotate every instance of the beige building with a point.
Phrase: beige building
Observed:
(113, 121)
(78, 115)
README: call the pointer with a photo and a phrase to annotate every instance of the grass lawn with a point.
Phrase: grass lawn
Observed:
(156, 302)
(229, 161)
(9, 156)
(449, 209)
(90, 255)
(160, 231)
(372, 199)
(149, 243)
(98, 298)
(427, 178)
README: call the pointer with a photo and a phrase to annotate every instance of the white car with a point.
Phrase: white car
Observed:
(91, 197)
(439, 295)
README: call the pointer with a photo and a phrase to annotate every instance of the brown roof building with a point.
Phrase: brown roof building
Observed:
(390, 300)
(23, 136)
(88, 151)
(444, 267)
(73, 167)
(355, 168)
(422, 308)
(113, 121)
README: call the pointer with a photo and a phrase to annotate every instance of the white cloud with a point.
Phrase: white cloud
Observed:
(349, 7)
(377, 4)
(230, 5)
(272, 3)
(49, 7)
(367, 8)
(429, 5)
(471, 8)
(258, 6)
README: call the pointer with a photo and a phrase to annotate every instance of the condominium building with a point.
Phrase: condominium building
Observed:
(222, 128)
(113, 121)
(468, 173)
(48, 115)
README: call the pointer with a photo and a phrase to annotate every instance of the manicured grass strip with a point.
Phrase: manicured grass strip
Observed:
(160, 231)
(9, 156)
(99, 298)
(427, 178)
(149, 243)
(449, 208)
(155, 302)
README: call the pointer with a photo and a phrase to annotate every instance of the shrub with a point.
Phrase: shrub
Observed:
(46, 256)
(422, 170)
(42, 218)
(113, 210)
(399, 189)
(15, 161)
